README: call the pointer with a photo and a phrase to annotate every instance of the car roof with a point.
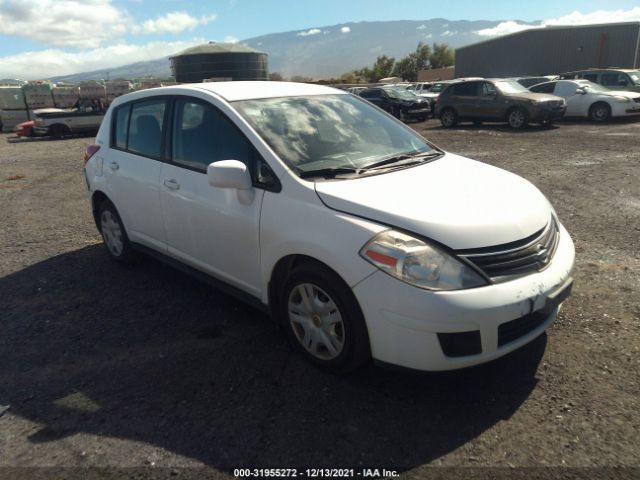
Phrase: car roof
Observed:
(245, 90)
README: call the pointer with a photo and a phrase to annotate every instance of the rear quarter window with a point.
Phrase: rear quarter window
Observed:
(120, 126)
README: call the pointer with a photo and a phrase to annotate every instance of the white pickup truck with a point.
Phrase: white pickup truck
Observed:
(84, 118)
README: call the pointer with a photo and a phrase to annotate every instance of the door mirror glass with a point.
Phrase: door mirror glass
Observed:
(229, 174)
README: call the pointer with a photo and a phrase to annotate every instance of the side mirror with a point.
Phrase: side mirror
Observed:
(232, 174)
(580, 91)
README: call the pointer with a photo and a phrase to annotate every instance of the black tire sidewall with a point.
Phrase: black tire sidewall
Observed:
(599, 105)
(356, 348)
(454, 117)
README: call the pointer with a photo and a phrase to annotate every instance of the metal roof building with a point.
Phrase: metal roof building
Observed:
(219, 61)
(552, 50)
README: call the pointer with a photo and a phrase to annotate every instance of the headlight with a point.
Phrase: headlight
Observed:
(419, 264)
(38, 121)
(623, 99)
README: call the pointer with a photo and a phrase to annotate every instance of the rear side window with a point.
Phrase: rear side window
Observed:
(202, 134)
(544, 88)
(145, 128)
(371, 94)
(592, 77)
(465, 88)
(120, 126)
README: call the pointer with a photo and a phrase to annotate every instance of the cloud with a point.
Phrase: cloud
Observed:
(231, 39)
(574, 18)
(312, 31)
(421, 27)
(345, 29)
(172, 22)
(54, 62)
(449, 33)
(63, 23)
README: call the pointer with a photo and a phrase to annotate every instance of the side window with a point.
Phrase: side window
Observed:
(145, 128)
(202, 134)
(488, 89)
(369, 94)
(592, 77)
(614, 80)
(566, 89)
(467, 89)
(120, 126)
(544, 87)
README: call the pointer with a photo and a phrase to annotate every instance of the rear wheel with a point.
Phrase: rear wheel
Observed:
(448, 118)
(323, 319)
(600, 112)
(517, 118)
(114, 235)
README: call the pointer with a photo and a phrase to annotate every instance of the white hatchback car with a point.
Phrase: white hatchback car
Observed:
(588, 99)
(359, 236)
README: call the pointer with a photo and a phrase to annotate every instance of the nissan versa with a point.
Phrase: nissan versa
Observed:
(360, 237)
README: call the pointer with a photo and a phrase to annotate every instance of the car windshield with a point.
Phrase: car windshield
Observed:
(511, 87)
(438, 87)
(317, 132)
(635, 76)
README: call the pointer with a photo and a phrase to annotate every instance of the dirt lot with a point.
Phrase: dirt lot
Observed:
(107, 366)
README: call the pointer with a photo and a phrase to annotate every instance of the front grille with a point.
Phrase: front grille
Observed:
(637, 100)
(513, 330)
(518, 258)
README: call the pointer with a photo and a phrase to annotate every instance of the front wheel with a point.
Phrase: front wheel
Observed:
(517, 118)
(323, 319)
(600, 112)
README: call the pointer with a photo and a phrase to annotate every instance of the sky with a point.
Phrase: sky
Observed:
(42, 38)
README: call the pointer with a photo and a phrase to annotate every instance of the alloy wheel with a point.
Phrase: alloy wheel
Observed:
(517, 119)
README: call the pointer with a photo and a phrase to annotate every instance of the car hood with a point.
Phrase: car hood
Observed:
(456, 201)
(618, 93)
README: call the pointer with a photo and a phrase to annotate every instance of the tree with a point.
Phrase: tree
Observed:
(301, 79)
(442, 56)
(275, 77)
(407, 68)
(383, 67)
(423, 54)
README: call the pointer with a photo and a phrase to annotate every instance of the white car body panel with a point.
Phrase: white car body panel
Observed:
(455, 201)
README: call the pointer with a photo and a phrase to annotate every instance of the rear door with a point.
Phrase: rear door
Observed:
(132, 168)
(464, 98)
(488, 104)
(207, 227)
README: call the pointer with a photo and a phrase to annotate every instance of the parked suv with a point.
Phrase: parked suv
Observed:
(496, 101)
(398, 102)
(358, 235)
(611, 78)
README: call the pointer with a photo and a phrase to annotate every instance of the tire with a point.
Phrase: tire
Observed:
(448, 118)
(517, 118)
(322, 318)
(114, 235)
(600, 112)
(57, 132)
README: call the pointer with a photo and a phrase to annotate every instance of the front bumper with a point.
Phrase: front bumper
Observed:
(544, 114)
(404, 322)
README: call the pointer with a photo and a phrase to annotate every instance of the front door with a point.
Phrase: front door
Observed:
(207, 227)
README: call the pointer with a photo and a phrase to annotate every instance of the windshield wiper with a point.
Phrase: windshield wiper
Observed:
(329, 172)
(401, 157)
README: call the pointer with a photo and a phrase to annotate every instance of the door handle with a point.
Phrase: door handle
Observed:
(171, 184)
(114, 166)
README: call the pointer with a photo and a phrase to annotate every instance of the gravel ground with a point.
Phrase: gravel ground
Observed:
(144, 367)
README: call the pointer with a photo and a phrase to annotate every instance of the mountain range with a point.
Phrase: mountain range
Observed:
(328, 51)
